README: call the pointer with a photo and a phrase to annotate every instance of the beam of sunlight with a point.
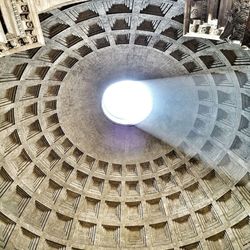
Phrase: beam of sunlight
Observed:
(176, 107)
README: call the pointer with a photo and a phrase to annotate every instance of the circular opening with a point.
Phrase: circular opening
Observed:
(127, 102)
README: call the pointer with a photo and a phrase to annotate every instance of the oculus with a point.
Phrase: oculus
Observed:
(127, 102)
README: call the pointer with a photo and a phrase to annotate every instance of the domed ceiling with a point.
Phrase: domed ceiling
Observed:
(72, 179)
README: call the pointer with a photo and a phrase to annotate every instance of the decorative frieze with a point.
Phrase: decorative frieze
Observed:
(19, 27)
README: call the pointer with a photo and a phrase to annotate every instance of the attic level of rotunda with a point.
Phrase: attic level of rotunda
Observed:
(74, 175)
(20, 27)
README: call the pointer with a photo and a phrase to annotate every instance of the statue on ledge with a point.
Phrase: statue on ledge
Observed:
(237, 21)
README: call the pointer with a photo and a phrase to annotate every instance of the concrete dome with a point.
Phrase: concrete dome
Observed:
(72, 179)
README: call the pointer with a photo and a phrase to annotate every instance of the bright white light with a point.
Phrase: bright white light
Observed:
(127, 102)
